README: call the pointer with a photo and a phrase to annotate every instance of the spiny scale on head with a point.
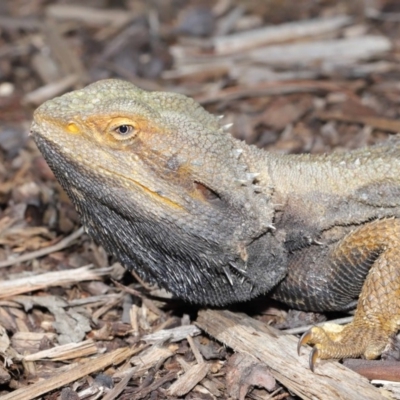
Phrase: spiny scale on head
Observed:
(228, 274)
(252, 175)
(248, 179)
(226, 127)
(242, 272)
(237, 152)
(234, 266)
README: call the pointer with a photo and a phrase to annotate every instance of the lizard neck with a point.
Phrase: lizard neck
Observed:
(312, 193)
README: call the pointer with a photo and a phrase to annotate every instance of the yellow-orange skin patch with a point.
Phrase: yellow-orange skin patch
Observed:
(103, 128)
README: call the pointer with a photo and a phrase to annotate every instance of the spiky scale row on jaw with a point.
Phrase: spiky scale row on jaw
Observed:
(163, 187)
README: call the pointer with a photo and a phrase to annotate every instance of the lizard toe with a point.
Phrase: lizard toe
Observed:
(353, 340)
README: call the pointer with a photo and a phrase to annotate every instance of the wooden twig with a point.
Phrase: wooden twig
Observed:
(276, 89)
(62, 244)
(172, 335)
(302, 329)
(149, 359)
(144, 390)
(331, 380)
(89, 15)
(277, 34)
(382, 16)
(118, 389)
(149, 303)
(383, 124)
(43, 93)
(65, 352)
(14, 24)
(349, 49)
(68, 60)
(196, 352)
(227, 23)
(49, 279)
(76, 372)
(186, 382)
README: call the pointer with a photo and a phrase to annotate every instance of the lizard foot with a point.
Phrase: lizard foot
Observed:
(377, 317)
(353, 340)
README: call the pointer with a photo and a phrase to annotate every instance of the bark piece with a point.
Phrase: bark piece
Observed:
(189, 380)
(244, 334)
(243, 372)
(375, 369)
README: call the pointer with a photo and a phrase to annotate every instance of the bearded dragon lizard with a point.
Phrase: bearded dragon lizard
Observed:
(165, 189)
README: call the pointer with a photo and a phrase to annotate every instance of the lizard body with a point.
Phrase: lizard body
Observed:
(160, 184)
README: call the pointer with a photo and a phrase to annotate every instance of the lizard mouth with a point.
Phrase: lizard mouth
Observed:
(145, 189)
(39, 137)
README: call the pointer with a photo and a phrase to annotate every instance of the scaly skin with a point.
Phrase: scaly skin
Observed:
(160, 184)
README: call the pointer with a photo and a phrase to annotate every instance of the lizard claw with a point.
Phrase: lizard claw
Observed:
(305, 339)
(314, 355)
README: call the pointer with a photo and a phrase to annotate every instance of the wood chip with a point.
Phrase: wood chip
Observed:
(29, 342)
(53, 89)
(89, 15)
(143, 391)
(65, 352)
(77, 372)
(149, 358)
(50, 279)
(340, 51)
(331, 380)
(120, 387)
(277, 34)
(195, 350)
(243, 372)
(276, 89)
(189, 380)
(383, 124)
(172, 335)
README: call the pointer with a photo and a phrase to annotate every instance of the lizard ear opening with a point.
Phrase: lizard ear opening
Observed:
(207, 193)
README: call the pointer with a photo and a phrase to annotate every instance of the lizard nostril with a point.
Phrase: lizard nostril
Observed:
(72, 127)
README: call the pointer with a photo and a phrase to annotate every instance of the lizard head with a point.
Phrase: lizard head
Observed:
(160, 184)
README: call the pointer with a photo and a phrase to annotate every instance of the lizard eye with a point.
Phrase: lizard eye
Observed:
(123, 132)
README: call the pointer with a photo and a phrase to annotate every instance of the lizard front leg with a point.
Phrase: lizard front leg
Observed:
(370, 253)
(377, 316)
